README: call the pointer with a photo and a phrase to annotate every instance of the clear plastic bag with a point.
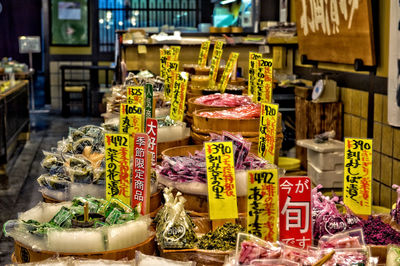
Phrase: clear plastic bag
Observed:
(147, 260)
(347, 239)
(250, 248)
(274, 262)
(304, 257)
(347, 256)
(393, 255)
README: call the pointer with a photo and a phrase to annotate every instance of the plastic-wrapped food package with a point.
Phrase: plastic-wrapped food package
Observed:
(301, 256)
(250, 248)
(348, 256)
(395, 213)
(147, 260)
(347, 239)
(274, 262)
(393, 255)
(76, 240)
(224, 100)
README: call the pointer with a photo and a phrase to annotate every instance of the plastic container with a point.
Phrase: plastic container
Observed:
(325, 156)
(329, 179)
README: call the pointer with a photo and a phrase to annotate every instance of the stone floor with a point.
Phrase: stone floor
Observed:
(46, 130)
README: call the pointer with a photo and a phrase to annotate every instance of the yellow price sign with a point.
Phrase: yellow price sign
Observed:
(263, 89)
(175, 52)
(233, 57)
(118, 173)
(221, 180)
(135, 95)
(178, 97)
(358, 175)
(262, 204)
(203, 55)
(215, 59)
(252, 70)
(171, 66)
(130, 121)
(267, 134)
(165, 55)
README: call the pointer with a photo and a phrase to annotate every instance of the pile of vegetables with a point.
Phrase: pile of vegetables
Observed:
(376, 232)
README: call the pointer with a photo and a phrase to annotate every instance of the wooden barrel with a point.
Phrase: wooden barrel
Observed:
(192, 106)
(162, 146)
(23, 253)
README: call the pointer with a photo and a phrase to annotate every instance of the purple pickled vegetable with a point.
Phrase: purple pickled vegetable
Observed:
(395, 213)
(376, 232)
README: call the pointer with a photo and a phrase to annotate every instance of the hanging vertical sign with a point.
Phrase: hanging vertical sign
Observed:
(118, 175)
(215, 59)
(165, 55)
(262, 204)
(148, 106)
(135, 95)
(252, 71)
(151, 131)
(358, 175)
(263, 89)
(178, 96)
(141, 174)
(221, 181)
(172, 66)
(175, 52)
(203, 55)
(228, 71)
(295, 223)
(267, 133)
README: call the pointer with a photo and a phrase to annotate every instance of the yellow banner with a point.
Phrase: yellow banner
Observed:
(252, 70)
(135, 95)
(175, 52)
(262, 204)
(221, 181)
(233, 57)
(178, 98)
(215, 59)
(263, 89)
(267, 134)
(171, 66)
(358, 175)
(165, 55)
(118, 173)
(203, 55)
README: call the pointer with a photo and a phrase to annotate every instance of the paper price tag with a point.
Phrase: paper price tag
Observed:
(130, 121)
(165, 55)
(263, 89)
(172, 66)
(203, 55)
(262, 204)
(179, 96)
(151, 131)
(135, 95)
(148, 106)
(267, 134)
(233, 57)
(358, 175)
(175, 52)
(141, 174)
(215, 59)
(252, 70)
(221, 181)
(118, 174)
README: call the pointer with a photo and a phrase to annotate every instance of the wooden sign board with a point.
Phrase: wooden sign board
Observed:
(336, 31)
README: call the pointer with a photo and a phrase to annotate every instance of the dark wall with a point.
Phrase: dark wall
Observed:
(269, 10)
(19, 17)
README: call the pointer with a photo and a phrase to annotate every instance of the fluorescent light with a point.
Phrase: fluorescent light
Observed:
(224, 2)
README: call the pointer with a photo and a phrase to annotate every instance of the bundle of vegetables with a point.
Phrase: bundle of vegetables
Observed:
(101, 213)
(395, 213)
(224, 100)
(376, 232)
(243, 112)
(79, 159)
(174, 228)
(224, 238)
(193, 167)
(327, 220)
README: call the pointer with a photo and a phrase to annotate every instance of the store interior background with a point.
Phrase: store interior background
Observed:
(364, 95)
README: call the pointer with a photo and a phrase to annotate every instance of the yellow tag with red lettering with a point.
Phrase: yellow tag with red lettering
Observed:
(165, 55)
(252, 71)
(262, 204)
(358, 175)
(118, 173)
(203, 55)
(215, 59)
(233, 57)
(221, 181)
(267, 134)
(178, 97)
(130, 121)
(263, 89)
(175, 52)
(135, 95)
(171, 66)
